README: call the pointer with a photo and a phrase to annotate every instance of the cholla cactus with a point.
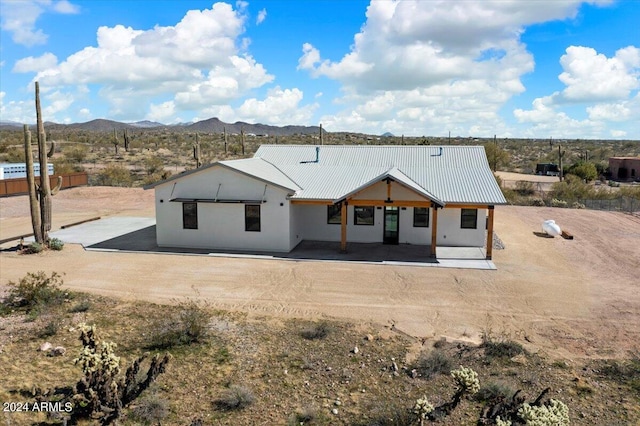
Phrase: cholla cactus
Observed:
(500, 422)
(422, 409)
(466, 379)
(553, 413)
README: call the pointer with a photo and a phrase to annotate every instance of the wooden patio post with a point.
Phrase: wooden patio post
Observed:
(434, 231)
(490, 233)
(343, 227)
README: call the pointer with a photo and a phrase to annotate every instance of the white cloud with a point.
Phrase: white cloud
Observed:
(161, 113)
(280, 107)
(84, 113)
(618, 133)
(262, 15)
(590, 76)
(31, 64)
(200, 61)
(609, 112)
(19, 18)
(426, 67)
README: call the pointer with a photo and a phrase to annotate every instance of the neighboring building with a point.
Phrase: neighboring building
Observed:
(625, 168)
(424, 195)
(19, 170)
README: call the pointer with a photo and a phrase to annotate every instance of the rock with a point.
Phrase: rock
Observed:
(337, 403)
(355, 350)
(368, 337)
(58, 351)
(394, 366)
(335, 411)
(519, 359)
(414, 373)
(45, 346)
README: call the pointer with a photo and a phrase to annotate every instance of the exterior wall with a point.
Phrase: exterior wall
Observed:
(450, 233)
(313, 225)
(222, 225)
(410, 235)
(624, 168)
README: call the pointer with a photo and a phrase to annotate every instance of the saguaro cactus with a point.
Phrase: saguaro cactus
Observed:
(196, 152)
(31, 182)
(126, 140)
(40, 213)
(115, 140)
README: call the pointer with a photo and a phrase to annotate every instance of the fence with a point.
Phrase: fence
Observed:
(19, 186)
(622, 204)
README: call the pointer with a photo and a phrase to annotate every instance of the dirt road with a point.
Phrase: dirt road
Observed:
(577, 298)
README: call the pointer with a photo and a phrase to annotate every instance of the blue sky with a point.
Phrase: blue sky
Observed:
(543, 68)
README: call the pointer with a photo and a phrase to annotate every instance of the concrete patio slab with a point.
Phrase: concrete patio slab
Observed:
(135, 234)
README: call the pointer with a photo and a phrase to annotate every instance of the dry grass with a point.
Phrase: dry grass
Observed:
(272, 373)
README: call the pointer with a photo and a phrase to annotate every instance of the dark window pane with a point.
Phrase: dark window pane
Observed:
(252, 218)
(190, 215)
(469, 219)
(334, 214)
(363, 215)
(421, 217)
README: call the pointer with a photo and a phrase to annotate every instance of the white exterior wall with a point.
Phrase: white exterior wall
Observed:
(311, 224)
(222, 225)
(450, 233)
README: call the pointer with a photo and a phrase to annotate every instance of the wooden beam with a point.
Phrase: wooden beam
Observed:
(490, 233)
(434, 232)
(343, 227)
(393, 203)
(388, 189)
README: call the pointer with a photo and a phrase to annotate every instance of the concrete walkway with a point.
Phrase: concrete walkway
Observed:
(135, 234)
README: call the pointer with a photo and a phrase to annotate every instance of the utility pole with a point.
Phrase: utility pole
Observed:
(560, 155)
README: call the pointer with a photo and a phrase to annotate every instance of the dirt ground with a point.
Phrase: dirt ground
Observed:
(563, 298)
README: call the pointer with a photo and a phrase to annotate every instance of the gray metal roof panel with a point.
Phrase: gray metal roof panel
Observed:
(452, 174)
(263, 170)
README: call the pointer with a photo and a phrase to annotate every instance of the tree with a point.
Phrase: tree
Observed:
(496, 156)
(585, 170)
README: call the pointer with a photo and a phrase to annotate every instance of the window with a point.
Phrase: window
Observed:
(363, 215)
(421, 217)
(190, 215)
(469, 219)
(252, 218)
(334, 214)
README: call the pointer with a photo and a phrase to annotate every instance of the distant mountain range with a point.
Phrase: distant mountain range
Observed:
(211, 125)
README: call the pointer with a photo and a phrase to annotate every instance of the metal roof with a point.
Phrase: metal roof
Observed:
(450, 174)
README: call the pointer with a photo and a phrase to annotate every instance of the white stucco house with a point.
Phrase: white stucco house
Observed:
(426, 195)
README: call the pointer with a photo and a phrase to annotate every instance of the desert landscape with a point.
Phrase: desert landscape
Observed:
(568, 302)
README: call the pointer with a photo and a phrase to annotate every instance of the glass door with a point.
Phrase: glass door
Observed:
(391, 225)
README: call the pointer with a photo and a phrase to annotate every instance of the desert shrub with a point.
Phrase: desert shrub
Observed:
(494, 392)
(584, 170)
(318, 330)
(190, 324)
(153, 164)
(235, 398)
(524, 187)
(63, 166)
(34, 248)
(82, 306)
(501, 348)
(536, 201)
(35, 290)
(625, 372)
(572, 188)
(56, 244)
(577, 205)
(114, 175)
(559, 203)
(50, 329)
(432, 363)
(388, 413)
(151, 410)
(303, 417)
(76, 153)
